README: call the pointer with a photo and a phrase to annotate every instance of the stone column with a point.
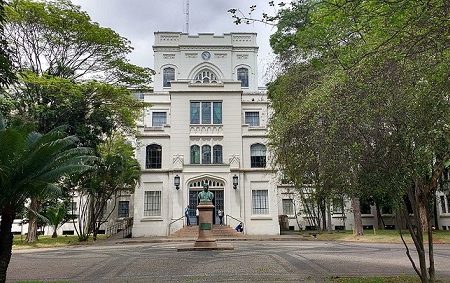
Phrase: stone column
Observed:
(205, 237)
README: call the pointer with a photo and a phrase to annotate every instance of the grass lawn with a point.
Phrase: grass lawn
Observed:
(49, 242)
(379, 236)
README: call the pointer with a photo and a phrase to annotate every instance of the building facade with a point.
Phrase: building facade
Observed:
(207, 123)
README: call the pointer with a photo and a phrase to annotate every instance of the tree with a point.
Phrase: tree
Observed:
(375, 74)
(54, 216)
(116, 172)
(44, 159)
(6, 74)
(58, 39)
(72, 72)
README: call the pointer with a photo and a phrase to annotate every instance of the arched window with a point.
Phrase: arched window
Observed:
(242, 75)
(195, 154)
(258, 155)
(153, 156)
(206, 154)
(205, 76)
(217, 154)
(168, 75)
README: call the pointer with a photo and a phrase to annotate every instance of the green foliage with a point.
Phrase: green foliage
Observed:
(43, 160)
(59, 39)
(6, 74)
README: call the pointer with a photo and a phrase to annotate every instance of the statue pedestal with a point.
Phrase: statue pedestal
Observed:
(205, 237)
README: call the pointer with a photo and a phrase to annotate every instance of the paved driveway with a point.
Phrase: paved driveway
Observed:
(251, 261)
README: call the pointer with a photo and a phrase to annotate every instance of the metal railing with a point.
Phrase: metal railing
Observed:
(234, 218)
(178, 219)
(125, 226)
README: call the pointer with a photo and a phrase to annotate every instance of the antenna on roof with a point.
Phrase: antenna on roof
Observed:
(186, 12)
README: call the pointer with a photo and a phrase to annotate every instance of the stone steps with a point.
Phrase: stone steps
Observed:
(218, 231)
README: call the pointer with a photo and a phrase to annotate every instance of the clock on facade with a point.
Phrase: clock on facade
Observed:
(206, 55)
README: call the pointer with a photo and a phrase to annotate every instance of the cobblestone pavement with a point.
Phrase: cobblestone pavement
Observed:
(251, 261)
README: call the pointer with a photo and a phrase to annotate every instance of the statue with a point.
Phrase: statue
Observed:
(205, 195)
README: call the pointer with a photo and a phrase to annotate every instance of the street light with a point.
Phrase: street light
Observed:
(235, 181)
(176, 182)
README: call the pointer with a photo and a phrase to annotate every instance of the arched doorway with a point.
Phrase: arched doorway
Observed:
(215, 186)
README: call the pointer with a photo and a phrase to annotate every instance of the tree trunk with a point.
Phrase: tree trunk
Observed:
(358, 226)
(32, 224)
(6, 240)
(329, 216)
(380, 222)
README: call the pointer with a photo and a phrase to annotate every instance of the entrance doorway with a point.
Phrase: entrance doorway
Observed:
(216, 187)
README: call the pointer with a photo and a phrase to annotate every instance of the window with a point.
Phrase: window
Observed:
(443, 208)
(217, 154)
(168, 75)
(258, 156)
(158, 119)
(139, 95)
(195, 154)
(72, 210)
(205, 76)
(152, 203)
(206, 154)
(338, 206)
(252, 119)
(288, 206)
(123, 209)
(386, 208)
(260, 204)
(153, 158)
(365, 207)
(201, 111)
(242, 75)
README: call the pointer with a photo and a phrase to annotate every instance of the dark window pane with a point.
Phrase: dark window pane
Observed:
(242, 75)
(252, 118)
(153, 158)
(258, 156)
(217, 154)
(168, 75)
(206, 112)
(217, 112)
(206, 154)
(195, 154)
(195, 112)
(158, 119)
(123, 208)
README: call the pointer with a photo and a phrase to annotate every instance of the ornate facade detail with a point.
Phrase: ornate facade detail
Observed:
(178, 161)
(206, 130)
(169, 38)
(220, 55)
(191, 55)
(169, 56)
(242, 38)
(242, 56)
(234, 161)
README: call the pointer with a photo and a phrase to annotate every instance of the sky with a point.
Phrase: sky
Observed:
(137, 20)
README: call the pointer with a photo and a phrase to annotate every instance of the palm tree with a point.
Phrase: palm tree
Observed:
(54, 216)
(30, 165)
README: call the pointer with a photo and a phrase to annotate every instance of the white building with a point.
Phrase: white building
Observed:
(207, 123)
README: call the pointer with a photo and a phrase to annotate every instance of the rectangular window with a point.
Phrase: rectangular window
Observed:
(252, 119)
(288, 206)
(206, 112)
(217, 113)
(152, 203)
(195, 112)
(443, 208)
(123, 209)
(159, 119)
(260, 202)
(365, 207)
(338, 205)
